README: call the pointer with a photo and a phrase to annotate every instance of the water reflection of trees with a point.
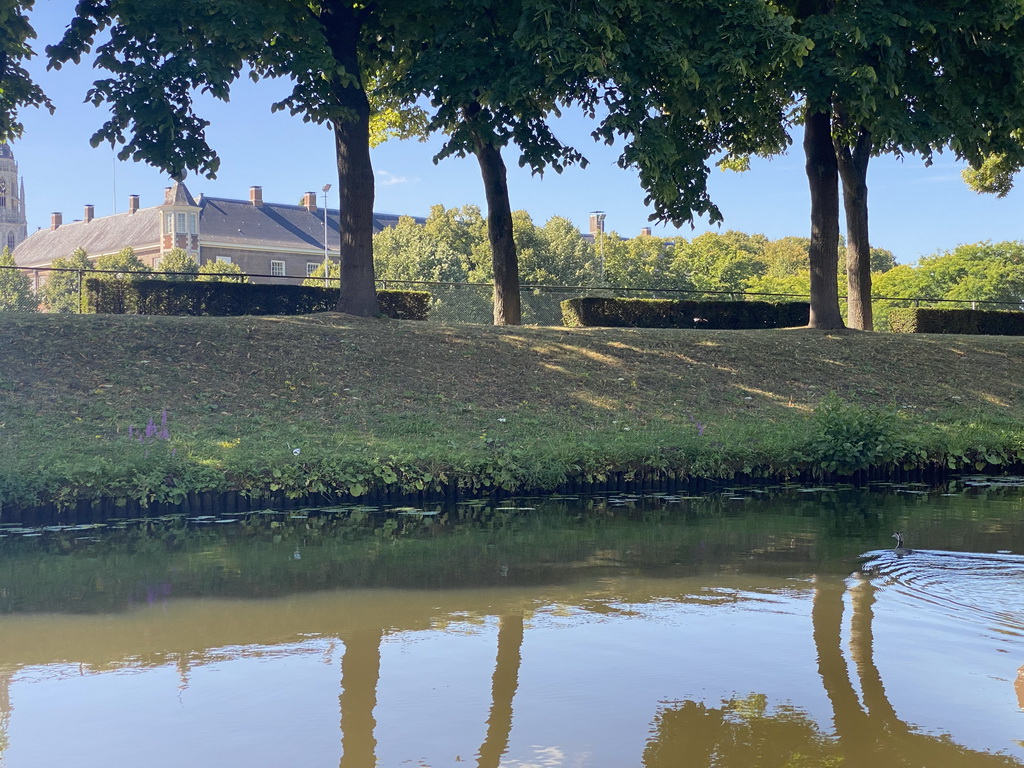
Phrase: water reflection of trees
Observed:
(867, 732)
(739, 734)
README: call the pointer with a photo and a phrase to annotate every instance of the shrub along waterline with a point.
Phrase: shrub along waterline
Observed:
(840, 440)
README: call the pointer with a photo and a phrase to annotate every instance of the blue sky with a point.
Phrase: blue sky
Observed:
(914, 211)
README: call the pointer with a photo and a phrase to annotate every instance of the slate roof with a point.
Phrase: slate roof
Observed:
(291, 227)
(105, 235)
(222, 221)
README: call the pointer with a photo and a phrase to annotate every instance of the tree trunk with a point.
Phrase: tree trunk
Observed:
(358, 294)
(823, 179)
(507, 302)
(853, 170)
(503, 691)
(360, 676)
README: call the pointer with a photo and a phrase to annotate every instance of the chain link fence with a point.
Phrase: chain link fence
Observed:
(44, 289)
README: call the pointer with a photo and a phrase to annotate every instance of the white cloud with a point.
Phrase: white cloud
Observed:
(388, 179)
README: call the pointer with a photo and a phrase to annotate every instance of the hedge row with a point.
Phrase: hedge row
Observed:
(164, 297)
(666, 313)
(972, 321)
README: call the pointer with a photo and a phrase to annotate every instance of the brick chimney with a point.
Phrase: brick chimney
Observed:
(133, 203)
(645, 231)
(90, 213)
(596, 222)
(256, 196)
(56, 219)
(309, 200)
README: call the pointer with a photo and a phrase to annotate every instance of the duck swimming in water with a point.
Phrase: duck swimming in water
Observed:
(899, 549)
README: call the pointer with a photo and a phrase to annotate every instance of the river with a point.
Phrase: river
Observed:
(747, 627)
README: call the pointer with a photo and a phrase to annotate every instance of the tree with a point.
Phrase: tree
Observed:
(15, 286)
(160, 52)
(491, 87)
(717, 263)
(557, 254)
(441, 250)
(642, 262)
(316, 277)
(224, 272)
(123, 265)
(968, 273)
(62, 291)
(912, 77)
(17, 89)
(180, 263)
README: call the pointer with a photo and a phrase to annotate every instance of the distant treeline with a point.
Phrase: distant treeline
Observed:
(452, 247)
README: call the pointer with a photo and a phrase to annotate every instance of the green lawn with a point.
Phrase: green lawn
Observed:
(421, 405)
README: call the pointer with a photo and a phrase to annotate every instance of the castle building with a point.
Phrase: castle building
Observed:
(13, 225)
(271, 241)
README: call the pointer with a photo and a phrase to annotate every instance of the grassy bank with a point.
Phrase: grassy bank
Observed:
(332, 403)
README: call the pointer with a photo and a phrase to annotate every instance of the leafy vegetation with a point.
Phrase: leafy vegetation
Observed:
(123, 265)
(180, 263)
(978, 272)
(222, 272)
(15, 287)
(63, 291)
(17, 89)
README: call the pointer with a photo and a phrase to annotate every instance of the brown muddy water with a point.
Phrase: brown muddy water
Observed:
(750, 627)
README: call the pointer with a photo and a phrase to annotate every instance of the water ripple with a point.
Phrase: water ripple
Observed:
(966, 585)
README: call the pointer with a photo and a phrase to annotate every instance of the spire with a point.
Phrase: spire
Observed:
(178, 195)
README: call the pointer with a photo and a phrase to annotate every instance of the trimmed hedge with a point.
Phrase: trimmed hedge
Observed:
(970, 321)
(164, 297)
(666, 313)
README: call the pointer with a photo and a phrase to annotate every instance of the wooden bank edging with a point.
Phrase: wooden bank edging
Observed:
(239, 502)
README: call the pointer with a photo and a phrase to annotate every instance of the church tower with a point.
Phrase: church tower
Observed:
(13, 225)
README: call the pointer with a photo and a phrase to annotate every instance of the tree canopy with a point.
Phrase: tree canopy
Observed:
(491, 86)
(180, 263)
(907, 77)
(160, 53)
(17, 89)
(123, 265)
(62, 291)
(16, 293)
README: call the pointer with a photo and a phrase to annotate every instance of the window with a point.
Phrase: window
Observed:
(3, 193)
(192, 230)
(277, 268)
(311, 267)
(168, 223)
(180, 223)
(224, 259)
(10, 240)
